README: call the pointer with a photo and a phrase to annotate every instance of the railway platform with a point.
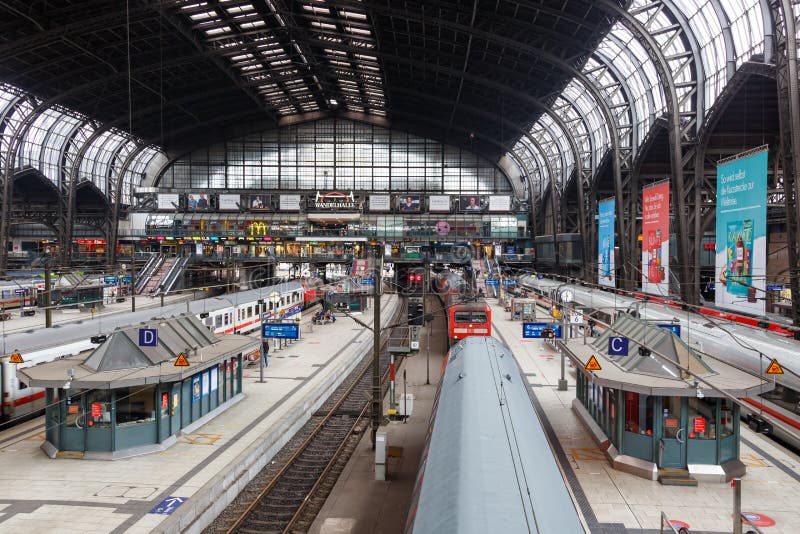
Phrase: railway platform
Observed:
(609, 501)
(20, 323)
(186, 486)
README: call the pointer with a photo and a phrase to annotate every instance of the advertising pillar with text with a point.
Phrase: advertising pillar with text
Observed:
(742, 233)
(655, 239)
(605, 243)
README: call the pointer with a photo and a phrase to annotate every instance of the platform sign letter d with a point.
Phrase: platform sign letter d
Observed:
(148, 337)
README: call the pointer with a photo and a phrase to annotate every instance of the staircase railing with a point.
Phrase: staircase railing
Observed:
(146, 273)
(168, 281)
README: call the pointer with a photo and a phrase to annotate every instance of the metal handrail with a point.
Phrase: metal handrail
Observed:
(665, 521)
(756, 529)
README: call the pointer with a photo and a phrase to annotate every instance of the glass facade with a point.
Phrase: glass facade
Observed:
(335, 154)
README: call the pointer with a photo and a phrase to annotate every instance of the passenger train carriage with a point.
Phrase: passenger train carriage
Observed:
(466, 315)
(503, 476)
(233, 313)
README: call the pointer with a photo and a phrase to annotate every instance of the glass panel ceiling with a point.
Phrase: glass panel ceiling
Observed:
(55, 137)
(708, 23)
(257, 40)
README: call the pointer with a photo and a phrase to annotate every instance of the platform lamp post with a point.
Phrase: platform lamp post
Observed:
(376, 348)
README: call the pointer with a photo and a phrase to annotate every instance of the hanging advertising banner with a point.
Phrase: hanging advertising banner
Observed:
(655, 239)
(229, 202)
(741, 232)
(168, 201)
(606, 271)
(290, 202)
(379, 203)
(439, 203)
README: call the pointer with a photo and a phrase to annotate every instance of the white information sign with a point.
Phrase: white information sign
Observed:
(380, 202)
(168, 201)
(439, 203)
(290, 203)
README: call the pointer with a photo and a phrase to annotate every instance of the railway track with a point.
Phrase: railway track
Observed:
(289, 492)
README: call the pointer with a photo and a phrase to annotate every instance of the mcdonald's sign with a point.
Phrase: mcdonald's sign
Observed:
(258, 228)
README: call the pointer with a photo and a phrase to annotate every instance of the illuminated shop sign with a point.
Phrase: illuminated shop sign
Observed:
(335, 200)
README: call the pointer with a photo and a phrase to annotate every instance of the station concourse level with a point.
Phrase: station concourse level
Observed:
(182, 152)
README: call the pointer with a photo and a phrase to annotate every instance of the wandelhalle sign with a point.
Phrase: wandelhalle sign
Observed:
(335, 201)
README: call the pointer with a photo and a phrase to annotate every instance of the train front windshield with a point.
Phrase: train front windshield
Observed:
(470, 317)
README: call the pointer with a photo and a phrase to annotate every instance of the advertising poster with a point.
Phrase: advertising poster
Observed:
(471, 203)
(379, 203)
(259, 203)
(229, 202)
(408, 203)
(214, 379)
(655, 239)
(605, 243)
(206, 381)
(741, 233)
(198, 202)
(499, 203)
(440, 203)
(195, 388)
(290, 202)
(168, 201)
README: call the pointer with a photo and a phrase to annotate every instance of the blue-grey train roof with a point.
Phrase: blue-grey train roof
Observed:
(60, 334)
(489, 466)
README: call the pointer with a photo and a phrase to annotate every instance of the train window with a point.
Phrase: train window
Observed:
(479, 317)
(218, 321)
(461, 317)
(22, 385)
(249, 312)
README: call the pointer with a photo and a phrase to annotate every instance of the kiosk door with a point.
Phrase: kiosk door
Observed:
(73, 432)
(672, 452)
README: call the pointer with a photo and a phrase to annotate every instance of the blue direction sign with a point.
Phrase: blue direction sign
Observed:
(168, 505)
(674, 328)
(368, 281)
(537, 330)
(774, 287)
(509, 282)
(492, 282)
(20, 291)
(126, 279)
(281, 330)
(617, 346)
(148, 337)
(110, 279)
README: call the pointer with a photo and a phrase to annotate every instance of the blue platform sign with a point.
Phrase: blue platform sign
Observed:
(535, 330)
(126, 279)
(492, 282)
(509, 282)
(168, 505)
(20, 291)
(775, 287)
(148, 337)
(110, 279)
(674, 328)
(368, 281)
(281, 330)
(617, 346)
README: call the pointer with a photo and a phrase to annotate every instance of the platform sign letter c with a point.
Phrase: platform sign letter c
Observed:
(617, 346)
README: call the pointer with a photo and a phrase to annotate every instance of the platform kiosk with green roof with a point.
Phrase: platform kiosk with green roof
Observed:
(652, 417)
(128, 396)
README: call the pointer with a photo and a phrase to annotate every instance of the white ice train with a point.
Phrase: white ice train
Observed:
(239, 313)
(746, 347)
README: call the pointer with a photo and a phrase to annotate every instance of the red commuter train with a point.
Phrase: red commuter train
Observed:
(466, 315)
